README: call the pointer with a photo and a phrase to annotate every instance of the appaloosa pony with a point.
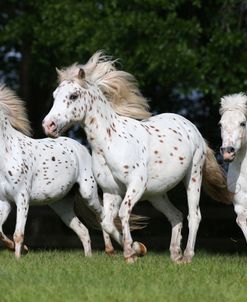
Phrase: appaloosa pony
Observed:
(41, 171)
(135, 156)
(233, 112)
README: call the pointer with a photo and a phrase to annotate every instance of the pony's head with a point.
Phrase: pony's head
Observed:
(70, 102)
(233, 112)
(80, 86)
(12, 108)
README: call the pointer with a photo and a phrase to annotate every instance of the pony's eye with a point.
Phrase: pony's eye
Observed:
(243, 124)
(73, 96)
(220, 125)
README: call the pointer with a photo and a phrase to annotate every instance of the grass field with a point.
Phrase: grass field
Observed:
(68, 276)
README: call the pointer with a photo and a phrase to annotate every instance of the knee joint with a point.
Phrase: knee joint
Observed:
(18, 238)
(241, 219)
(107, 226)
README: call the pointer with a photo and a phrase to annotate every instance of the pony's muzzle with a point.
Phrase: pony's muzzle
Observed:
(228, 153)
(50, 128)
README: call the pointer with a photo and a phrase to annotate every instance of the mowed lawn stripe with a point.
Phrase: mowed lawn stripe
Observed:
(69, 276)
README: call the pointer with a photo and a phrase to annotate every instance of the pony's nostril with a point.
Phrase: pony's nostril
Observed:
(227, 150)
(52, 126)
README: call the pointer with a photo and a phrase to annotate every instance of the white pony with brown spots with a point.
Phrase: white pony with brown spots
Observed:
(135, 156)
(41, 172)
(233, 112)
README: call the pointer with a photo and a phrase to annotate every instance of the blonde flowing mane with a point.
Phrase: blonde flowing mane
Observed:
(14, 109)
(119, 87)
(236, 101)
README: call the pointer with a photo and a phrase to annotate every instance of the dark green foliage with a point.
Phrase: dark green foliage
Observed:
(172, 47)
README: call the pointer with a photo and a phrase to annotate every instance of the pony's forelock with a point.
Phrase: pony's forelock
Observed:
(119, 87)
(236, 101)
(14, 109)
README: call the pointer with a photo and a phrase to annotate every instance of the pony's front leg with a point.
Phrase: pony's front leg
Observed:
(241, 218)
(111, 205)
(22, 206)
(133, 194)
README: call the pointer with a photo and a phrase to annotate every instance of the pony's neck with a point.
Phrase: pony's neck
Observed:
(7, 135)
(100, 120)
(241, 156)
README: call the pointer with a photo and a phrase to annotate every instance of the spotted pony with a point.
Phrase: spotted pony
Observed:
(135, 156)
(41, 171)
(233, 110)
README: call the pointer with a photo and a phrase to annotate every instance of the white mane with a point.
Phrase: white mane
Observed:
(14, 109)
(236, 101)
(119, 87)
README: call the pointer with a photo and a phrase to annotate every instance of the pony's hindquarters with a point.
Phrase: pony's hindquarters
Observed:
(214, 179)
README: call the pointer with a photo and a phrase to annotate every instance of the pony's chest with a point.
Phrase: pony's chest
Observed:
(104, 176)
(237, 178)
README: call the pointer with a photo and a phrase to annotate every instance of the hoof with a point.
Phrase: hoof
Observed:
(176, 257)
(88, 254)
(131, 259)
(110, 253)
(184, 260)
(139, 248)
(25, 250)
(9, 244)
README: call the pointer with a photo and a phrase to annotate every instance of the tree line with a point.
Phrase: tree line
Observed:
(185, 54)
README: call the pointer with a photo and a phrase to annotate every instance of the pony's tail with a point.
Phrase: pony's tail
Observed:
(92, 220)
(214, 179)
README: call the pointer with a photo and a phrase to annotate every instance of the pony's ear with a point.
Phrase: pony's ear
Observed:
(59, 73)
(81, 74)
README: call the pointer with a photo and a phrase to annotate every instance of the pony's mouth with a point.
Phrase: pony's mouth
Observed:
(54, 130)
(229, 157)
(59, 130)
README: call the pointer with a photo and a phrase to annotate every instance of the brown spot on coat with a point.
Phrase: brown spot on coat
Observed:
(92, 120)
(108, 130)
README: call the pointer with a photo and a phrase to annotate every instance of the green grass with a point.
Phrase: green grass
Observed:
(68, 276)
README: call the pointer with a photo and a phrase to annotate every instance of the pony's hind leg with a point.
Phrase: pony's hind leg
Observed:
(193, 182)
(175, 217)
(5, 209)
(65, 210)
